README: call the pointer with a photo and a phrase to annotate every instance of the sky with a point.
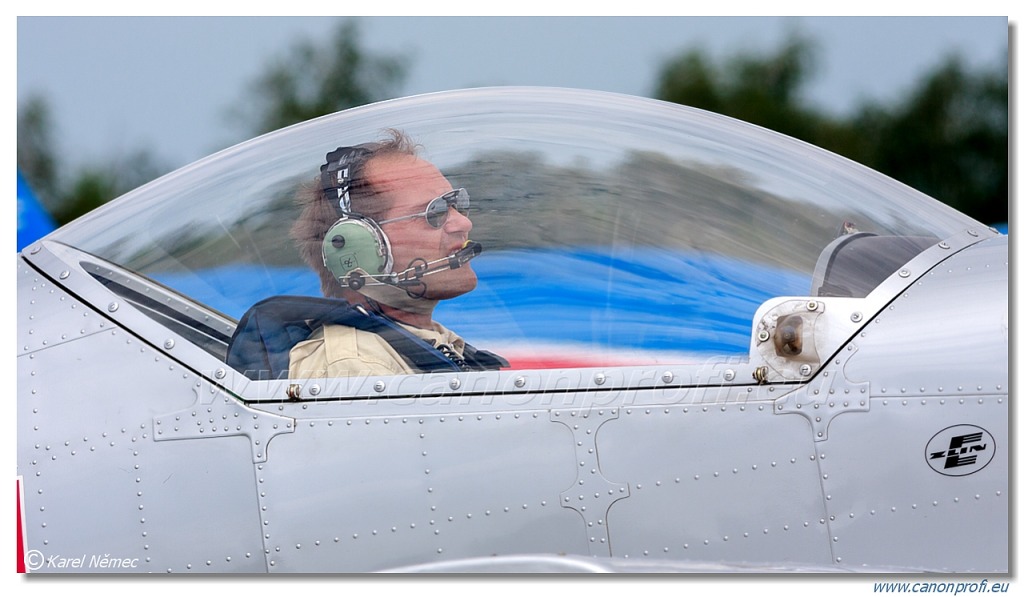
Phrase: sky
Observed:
(167, 84)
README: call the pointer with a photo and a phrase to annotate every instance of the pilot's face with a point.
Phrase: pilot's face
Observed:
(407, 184)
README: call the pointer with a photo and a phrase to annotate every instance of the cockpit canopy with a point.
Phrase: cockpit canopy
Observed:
(615, 229)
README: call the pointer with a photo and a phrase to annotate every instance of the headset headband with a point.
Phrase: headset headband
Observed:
(341, 168)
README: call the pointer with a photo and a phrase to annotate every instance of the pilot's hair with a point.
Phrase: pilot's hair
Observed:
(319, 211)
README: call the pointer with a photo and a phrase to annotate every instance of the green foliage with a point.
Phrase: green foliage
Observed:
(314, 79)
(311, 80)
(93, 186)
(760, 90)
(68, 195)
(948, 138)
(36, 160)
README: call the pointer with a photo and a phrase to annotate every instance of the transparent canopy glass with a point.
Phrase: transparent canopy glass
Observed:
(616, 229)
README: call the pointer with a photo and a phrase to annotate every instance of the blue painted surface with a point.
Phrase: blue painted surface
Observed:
(652, 300)
(648, 299)
(33, 221)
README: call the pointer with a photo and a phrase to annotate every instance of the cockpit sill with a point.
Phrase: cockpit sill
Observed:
(190, 333)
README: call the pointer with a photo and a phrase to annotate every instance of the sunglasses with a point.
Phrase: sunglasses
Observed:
(437, 210)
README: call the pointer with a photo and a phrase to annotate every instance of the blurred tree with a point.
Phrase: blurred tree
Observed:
(763, 90)
(67, 195)
(316, 79)
(94, 185)
(35, 150)
(948, 139)
(309, 81)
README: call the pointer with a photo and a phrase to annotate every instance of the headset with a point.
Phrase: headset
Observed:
(354, 247)
(357, 251)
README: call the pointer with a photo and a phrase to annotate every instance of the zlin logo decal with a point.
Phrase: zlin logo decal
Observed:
(960, 450)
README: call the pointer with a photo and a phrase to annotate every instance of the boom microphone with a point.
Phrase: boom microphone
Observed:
(469, 250)
(415, 271)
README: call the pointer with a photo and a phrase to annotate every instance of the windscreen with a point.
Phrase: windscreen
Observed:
(614, 229)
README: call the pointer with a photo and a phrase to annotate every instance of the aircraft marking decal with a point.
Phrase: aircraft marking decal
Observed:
(960, 450)
(827, 396)
(222, 417)
(591, 494)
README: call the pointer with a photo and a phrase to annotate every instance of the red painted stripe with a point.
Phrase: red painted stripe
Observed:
(556, 363)
(528, 363)
(21, 543)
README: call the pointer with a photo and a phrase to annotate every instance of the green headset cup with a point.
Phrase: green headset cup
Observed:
(356, 243)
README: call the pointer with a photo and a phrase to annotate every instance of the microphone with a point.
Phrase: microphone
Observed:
(469, 250)
(416, 271)
(410, 280)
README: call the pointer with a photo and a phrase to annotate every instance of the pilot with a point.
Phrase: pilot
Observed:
(388, 234)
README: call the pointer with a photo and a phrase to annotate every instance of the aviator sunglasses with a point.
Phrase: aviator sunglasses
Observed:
(437, 210)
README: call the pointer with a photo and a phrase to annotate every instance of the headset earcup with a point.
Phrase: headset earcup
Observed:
(354, 243)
